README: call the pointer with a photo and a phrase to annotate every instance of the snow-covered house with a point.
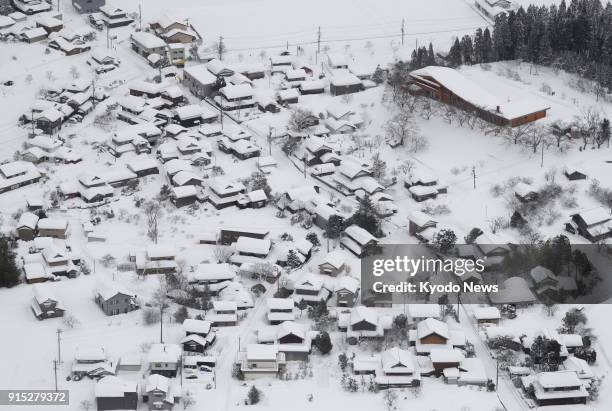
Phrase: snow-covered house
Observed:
(214, 276)
(364, 323)
(223, 313)
(45, 304)
(235, 97)
(556, 388)
(514, 290)
(343, 81)
(594, 224)
(115, 17)
(53, 227)
(451, 87)
(160, 393)
(398, 368)
(421, 225)
(17, 174)
(156, 259)
(224, 192)
(164, 359)
(334, 263)
(310, 288)
(260, 360)
(346, 290)
(199, 80)
(253, 247)
(524, 192)
(487, 315)
(145, 44)
(26, 226)
(290, 338)
(114, 299)
(280, 310)
(357, 240)
(113, 393)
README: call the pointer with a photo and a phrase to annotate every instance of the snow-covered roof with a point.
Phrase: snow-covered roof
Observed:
(28, 220)
(363, 313)
(347, 283)
(279, 304)
(539, 274)
(52, 224)
(164, 353)
(397, 361)
(445, 355)
(183, 191)
(148, 40)
(513, 290)
(237, 91)
(196, 326)
(213, 272)
(431, 326)
(486, 313)
(595, 216)
(111, 386)
(359, 234)
(157, 382)
(473, 93)
(108, 290)
(266, 352)
(253, 245)
(201, 74)
(336, 258)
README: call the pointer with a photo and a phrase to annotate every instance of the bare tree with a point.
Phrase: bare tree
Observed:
(518, 133)
(559, 131)
(301, 119)
(428, 109)
(449, 113)
(587, 124)
(188, 399)
(222, 253)
(536, 136)
(401, 127)
(153, 212)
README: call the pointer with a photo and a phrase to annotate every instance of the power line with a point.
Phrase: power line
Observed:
(336, 40)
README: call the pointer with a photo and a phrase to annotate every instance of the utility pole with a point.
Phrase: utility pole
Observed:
(59, 345)
(140, 16)
(220, 48)
(318, 45)
(55, 373)
(287, 45)
(161, 323)
(33, 125)
(542, 159)
(474, 175)
(269, 140)
(403, 32)
(107, 37)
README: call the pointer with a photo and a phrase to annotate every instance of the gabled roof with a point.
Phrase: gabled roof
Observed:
(432, 326)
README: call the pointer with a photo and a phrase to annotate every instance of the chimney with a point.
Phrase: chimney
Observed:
(498, 109)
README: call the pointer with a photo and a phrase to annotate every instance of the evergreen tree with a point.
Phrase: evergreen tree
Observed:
(292, 259)
(478, 47)
(323, 342)
(334, 227)
(254, 395)
(467, 49)
(487, 46)
(9, 273)
(366, 217)
(454, 55)
(431, 57)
